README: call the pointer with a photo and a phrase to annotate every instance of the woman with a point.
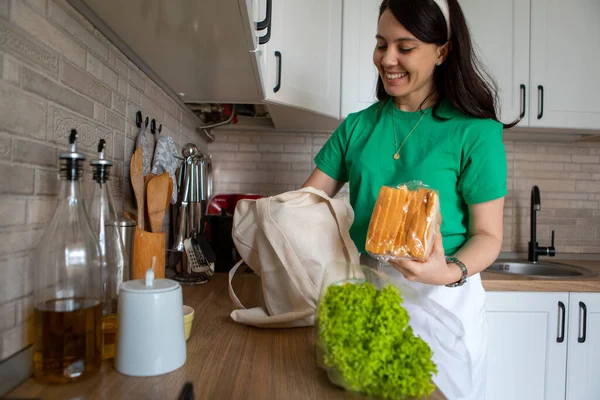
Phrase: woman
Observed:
(435, 122)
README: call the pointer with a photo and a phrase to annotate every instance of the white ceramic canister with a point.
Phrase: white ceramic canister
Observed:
(150, 337)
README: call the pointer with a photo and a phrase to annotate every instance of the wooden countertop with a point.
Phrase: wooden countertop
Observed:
(225, 360)
(493, 281)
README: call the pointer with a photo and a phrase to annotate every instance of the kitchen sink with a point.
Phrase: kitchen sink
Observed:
(540, 270)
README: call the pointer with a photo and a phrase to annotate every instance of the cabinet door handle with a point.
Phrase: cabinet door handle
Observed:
(522, 88)
(582, 329)
(265, 23)
(540, 102)
(561, 322)
(278, 86)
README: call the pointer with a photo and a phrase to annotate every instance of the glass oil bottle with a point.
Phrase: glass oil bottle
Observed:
(105, 224)
(68, 284)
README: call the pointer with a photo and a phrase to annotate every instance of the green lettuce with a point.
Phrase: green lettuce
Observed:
(368, 346)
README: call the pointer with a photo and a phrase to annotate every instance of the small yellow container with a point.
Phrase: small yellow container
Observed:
(188, 317)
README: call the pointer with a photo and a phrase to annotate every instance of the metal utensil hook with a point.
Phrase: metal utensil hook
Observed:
(138, 119)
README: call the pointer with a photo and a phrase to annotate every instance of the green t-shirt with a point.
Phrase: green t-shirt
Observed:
(463, 158)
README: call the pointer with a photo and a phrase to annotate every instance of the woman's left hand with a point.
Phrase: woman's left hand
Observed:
(434, 271)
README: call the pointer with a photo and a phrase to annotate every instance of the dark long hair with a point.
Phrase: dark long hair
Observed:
(461, 79)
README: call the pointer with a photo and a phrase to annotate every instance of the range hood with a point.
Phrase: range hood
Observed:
(201, 51)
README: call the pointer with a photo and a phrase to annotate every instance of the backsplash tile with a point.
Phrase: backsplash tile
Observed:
(54, 91)
(88, 133)
(46, 182)
(119, 103)
(4, 9)
(12, 211)
(4, 148)
(567, 175)
(58, 72)
(32, 153)
(85, 84)
(20, 113)
(16, 179)
(15, 43)
(78, 28)
(46, 32)
(11, 70)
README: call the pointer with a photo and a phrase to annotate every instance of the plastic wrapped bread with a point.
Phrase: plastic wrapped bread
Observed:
(403, 223)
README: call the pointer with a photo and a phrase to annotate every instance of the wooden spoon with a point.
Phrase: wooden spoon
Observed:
(137, 182)
(170, 192)
(147, 178)
(157, 198)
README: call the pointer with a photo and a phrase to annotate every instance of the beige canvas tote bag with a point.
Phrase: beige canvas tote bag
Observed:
(289, 240)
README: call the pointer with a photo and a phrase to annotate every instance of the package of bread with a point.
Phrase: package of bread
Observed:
(403, 223)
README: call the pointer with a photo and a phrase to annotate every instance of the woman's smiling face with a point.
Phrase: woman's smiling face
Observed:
(406, 65)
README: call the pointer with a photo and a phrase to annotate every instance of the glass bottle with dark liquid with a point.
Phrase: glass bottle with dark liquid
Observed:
(68, 285)
(105, 224)
(68, 333)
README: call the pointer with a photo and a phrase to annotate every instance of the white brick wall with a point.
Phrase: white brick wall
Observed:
(58, 72)
(567, 175)
(266, 163)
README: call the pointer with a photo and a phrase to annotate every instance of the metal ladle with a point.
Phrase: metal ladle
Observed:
(189, 150)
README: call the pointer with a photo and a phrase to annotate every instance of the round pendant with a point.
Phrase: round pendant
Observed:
(396, 156)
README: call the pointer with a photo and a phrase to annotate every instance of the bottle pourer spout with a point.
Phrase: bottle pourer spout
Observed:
(73, 141)
(101, 147)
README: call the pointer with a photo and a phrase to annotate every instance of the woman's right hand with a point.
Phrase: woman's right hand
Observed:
(320, 180)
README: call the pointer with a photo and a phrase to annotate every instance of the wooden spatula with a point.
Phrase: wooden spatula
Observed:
(157, 199)
(137, 182)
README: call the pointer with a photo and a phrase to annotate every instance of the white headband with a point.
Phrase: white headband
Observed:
(443, 5)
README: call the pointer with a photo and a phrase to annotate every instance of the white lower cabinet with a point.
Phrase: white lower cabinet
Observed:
(583, 380)
(543, 345)
(527, 346)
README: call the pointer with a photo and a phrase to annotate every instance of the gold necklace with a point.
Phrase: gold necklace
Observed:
(397, 153)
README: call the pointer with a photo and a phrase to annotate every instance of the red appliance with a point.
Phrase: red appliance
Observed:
(218, 225)
(227, 202)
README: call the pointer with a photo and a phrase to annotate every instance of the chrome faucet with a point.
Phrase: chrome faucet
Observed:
(534, 250)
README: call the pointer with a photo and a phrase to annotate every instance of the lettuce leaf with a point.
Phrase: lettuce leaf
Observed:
(366, 340)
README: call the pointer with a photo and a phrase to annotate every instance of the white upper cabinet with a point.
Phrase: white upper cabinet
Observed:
(304, 55)
(543, 54)
(500, 32)
(359, 75)
(218, 51)
(261, 16)
(565, 60)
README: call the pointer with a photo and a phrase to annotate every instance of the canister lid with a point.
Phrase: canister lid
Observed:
(149, 285)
